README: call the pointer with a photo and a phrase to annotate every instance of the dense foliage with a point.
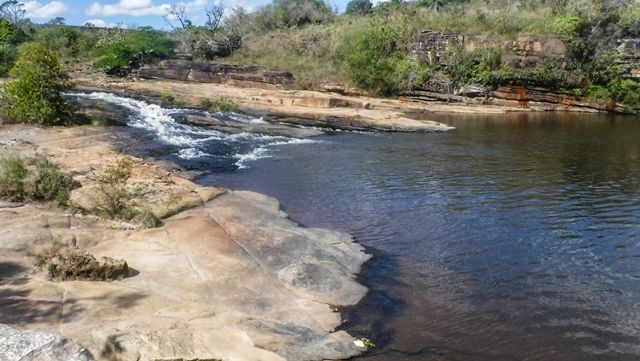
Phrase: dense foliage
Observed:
(376, 63)
(35, 93)
(359, 7)
(135, 49)
(45, 183)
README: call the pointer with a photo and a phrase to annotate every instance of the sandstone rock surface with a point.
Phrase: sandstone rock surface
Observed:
(228, 276)
(16, 345)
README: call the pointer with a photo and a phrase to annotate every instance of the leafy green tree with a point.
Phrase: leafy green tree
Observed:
(13, 11)
(10, 33)
(376, 63)
(8, 54)
(292, 13)
(70, 42)
(359, 7)
(134, 50)
(35, 95)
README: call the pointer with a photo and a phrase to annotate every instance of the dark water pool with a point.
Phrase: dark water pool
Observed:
(515, 237)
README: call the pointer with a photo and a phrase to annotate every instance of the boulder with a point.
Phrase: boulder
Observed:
(16, 345)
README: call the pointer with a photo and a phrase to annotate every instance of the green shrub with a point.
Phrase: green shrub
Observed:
(473, 66)
(179, 103)
(167, 99)
(289, 13)
(45, 184)
(69, 42)
(10, 33)
(114, 197)
(359, 7)
(35, 96)
(8, 55)
(134, 50)
(375, 62)
(13, 172)
(101, 104)
(224, 104)
(147, 219)
(206, 104)
(48, 183)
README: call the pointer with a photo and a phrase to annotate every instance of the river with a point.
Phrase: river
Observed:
(514, 237)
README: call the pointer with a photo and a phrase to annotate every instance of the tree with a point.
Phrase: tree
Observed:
(177, 12)
(237, 25)
(12, 11)
(133, 50)
(359, 7)
(35, 96)
(214, 17)
(56, 21)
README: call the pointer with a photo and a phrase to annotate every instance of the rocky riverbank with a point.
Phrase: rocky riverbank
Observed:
(227, 276)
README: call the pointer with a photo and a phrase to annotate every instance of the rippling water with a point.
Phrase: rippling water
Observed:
(512, 238)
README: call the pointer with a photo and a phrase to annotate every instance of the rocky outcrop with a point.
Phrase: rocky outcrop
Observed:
(229, 278)
(301, 107)
(16, 345)
(257, 126)
(206, 72)
(429, 46)
(517, 98)
(629, 52)
(532, 52)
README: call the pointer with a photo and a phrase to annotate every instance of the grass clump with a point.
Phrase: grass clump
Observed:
(45, 183)
(48, 183)
(13, 172)
(146, 218)
(222, 104)
(116, 199)
(167, 99)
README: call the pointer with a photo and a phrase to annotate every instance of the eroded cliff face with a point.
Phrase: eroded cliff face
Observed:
(629, 51)
(524, 56)
(206, 72)
(227, 277)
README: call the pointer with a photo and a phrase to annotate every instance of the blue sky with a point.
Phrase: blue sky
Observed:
(128, 12)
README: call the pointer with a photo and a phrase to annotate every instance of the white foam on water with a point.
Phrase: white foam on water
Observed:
(192, 139)
(255, 154)
(192, 153)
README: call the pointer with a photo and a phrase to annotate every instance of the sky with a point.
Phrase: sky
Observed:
(129, 12)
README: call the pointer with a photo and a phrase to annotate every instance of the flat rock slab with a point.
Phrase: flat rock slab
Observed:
(227, 277)
(18, 345)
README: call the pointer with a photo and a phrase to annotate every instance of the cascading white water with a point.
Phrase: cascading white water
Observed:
(192, 141)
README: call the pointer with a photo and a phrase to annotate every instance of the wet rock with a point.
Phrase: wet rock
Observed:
(235, 127)
(16, 345)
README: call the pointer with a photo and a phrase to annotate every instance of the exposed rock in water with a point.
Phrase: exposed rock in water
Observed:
(18, 345)
(72, 263)
(234, 127)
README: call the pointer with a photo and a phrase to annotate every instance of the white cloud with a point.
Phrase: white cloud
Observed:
(139, 8)
(99, 23)
(34, 9)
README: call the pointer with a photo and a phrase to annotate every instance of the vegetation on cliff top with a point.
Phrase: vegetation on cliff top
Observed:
(368, 47)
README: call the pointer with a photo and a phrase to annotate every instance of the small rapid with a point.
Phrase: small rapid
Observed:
(193, 143)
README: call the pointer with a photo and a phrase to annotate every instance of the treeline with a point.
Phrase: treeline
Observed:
(368, 47)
